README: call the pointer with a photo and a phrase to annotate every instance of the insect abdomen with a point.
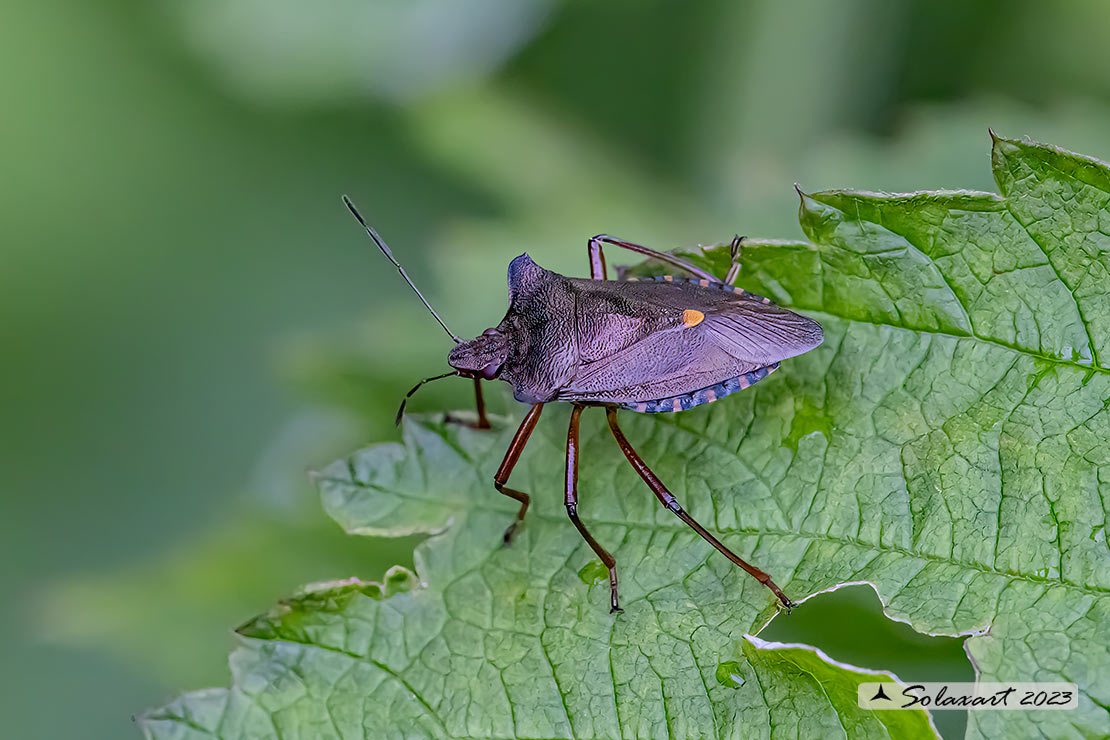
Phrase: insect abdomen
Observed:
(705, 395)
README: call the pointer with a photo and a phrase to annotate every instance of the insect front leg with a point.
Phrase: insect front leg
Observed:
(571, 502)
(501, 477)
(671, 504)
(597, 259)
(480, 402)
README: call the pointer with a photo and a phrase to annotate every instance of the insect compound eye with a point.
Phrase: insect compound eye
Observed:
(491, 371)
(490, 332)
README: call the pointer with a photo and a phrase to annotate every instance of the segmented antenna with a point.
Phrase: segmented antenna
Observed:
(401, 411)
(389, 256)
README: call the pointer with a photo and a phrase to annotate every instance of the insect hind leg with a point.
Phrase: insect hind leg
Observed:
(671, 504)
(597, 259)
(734, 255)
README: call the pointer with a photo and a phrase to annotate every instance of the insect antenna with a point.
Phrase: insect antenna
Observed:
(415, 388)
(389, 256)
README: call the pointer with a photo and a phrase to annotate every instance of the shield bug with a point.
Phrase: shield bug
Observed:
(662, 344)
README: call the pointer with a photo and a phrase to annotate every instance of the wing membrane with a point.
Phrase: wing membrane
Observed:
(762, 333)
(740, 333)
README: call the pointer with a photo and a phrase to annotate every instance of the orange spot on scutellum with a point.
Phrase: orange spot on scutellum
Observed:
(692, 317)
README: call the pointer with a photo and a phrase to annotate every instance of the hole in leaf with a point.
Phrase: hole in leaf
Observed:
(850, 626)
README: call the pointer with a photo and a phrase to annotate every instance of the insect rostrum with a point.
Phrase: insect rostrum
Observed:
(658, 345)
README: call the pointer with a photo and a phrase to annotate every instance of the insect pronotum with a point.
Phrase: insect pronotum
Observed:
(654, 345)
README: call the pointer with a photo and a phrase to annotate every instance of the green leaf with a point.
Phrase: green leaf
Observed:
(948, 444)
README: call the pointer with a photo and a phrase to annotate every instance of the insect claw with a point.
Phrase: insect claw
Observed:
(734, 247)
(616, 610)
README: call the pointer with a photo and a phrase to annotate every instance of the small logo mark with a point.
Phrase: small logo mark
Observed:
(880, 694)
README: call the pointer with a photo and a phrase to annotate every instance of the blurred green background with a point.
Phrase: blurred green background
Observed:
(189, 319)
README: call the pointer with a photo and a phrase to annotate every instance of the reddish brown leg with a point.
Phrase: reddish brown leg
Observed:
(597, 261)
(670, 502)
(501, 477)
(483, 421)
(571, 502)
(480, 401)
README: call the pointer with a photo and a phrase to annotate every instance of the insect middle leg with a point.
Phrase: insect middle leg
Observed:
(671, 503)
(501, 477)
(571, 502)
